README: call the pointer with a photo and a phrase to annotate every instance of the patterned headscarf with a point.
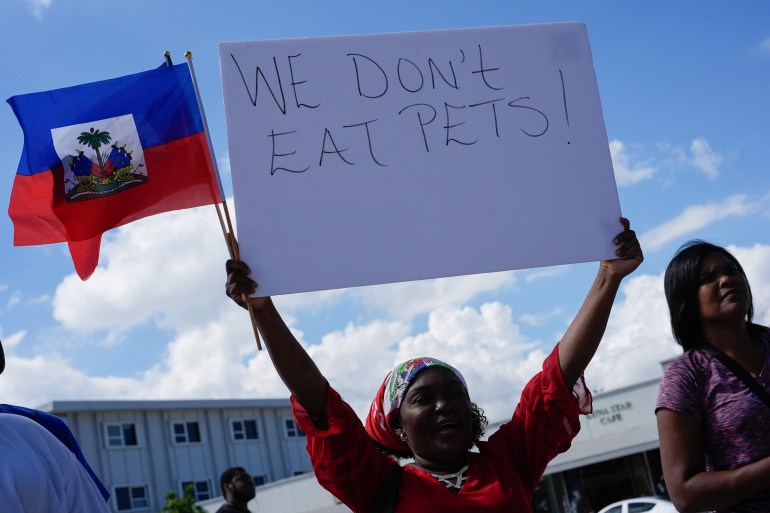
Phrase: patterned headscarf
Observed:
(384, 410)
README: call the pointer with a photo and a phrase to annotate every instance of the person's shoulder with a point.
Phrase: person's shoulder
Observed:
(691, 370)
(18, 429)
(23, 426)
(691, 360)
(55, 425)
(39, 416)
(18, 410)
(10, 420)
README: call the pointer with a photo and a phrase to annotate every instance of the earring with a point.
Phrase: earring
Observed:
(400, 433)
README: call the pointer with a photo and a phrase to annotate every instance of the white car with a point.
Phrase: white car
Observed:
(640, 505)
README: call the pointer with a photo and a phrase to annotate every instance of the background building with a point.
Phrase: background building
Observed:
(143, 449)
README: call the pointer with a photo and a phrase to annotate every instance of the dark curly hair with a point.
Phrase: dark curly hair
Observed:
(479, 424)
(227, 476)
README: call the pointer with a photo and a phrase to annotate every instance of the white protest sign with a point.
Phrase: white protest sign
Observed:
(371, 159)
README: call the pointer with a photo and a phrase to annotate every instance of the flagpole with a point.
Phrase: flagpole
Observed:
(230, 240)
(227, 231)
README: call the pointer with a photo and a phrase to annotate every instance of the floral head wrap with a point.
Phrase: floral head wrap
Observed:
(384, 410)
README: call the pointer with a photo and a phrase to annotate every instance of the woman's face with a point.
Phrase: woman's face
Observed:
(437, 418)
(723, 292)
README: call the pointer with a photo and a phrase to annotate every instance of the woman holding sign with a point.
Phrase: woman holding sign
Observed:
(423, 411)
(713, 405)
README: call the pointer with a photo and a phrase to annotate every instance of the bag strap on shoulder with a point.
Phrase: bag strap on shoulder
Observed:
(740, 373)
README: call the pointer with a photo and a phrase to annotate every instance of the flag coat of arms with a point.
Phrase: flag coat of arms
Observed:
(100, 155)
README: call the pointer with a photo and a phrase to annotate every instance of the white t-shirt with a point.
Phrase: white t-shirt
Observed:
(38, 474)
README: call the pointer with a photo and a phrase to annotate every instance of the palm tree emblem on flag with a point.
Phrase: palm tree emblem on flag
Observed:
(93, 172)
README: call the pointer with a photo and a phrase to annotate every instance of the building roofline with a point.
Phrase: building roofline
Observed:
(598, 394)
(162, 404)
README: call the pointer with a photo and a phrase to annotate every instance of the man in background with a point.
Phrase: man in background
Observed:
(237, 489)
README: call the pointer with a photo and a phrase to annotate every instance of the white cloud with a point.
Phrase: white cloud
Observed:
(539, 319)
(704, 158)
(52, 373)
(165, 268)
(356, 359)
(626, 172)
(208, 361)
(38, 6)
(223, 164)
(637, 339)
(39, 300)
(764, 46)
(169, 270)
(218, 358)
(694, 218)
(113, 338)
(14, 300)
(699, 155)
(756, 262)
(14, 339)
(486, 346)
(546, 272)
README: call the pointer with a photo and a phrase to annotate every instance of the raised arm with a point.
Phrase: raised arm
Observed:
(579, 343)
(690, 486)
(295, 367)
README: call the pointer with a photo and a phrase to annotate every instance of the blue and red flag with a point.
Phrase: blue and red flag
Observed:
(100, 155)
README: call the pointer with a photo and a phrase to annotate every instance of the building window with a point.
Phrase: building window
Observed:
(291, 429)
(129, 498)
(201, 489)
(186, 432)
(245, 430)
(259, 479)
(121, 434)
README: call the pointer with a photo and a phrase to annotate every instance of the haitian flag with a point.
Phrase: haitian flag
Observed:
(100, 155)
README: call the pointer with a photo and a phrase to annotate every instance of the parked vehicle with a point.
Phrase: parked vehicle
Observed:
(640, 505)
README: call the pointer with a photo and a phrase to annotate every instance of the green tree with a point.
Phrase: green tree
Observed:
(184, 504)
(94, 139)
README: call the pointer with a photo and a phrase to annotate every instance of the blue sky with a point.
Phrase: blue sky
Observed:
(684, 93)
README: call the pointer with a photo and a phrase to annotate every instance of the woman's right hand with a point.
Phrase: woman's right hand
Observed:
(239, 286)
